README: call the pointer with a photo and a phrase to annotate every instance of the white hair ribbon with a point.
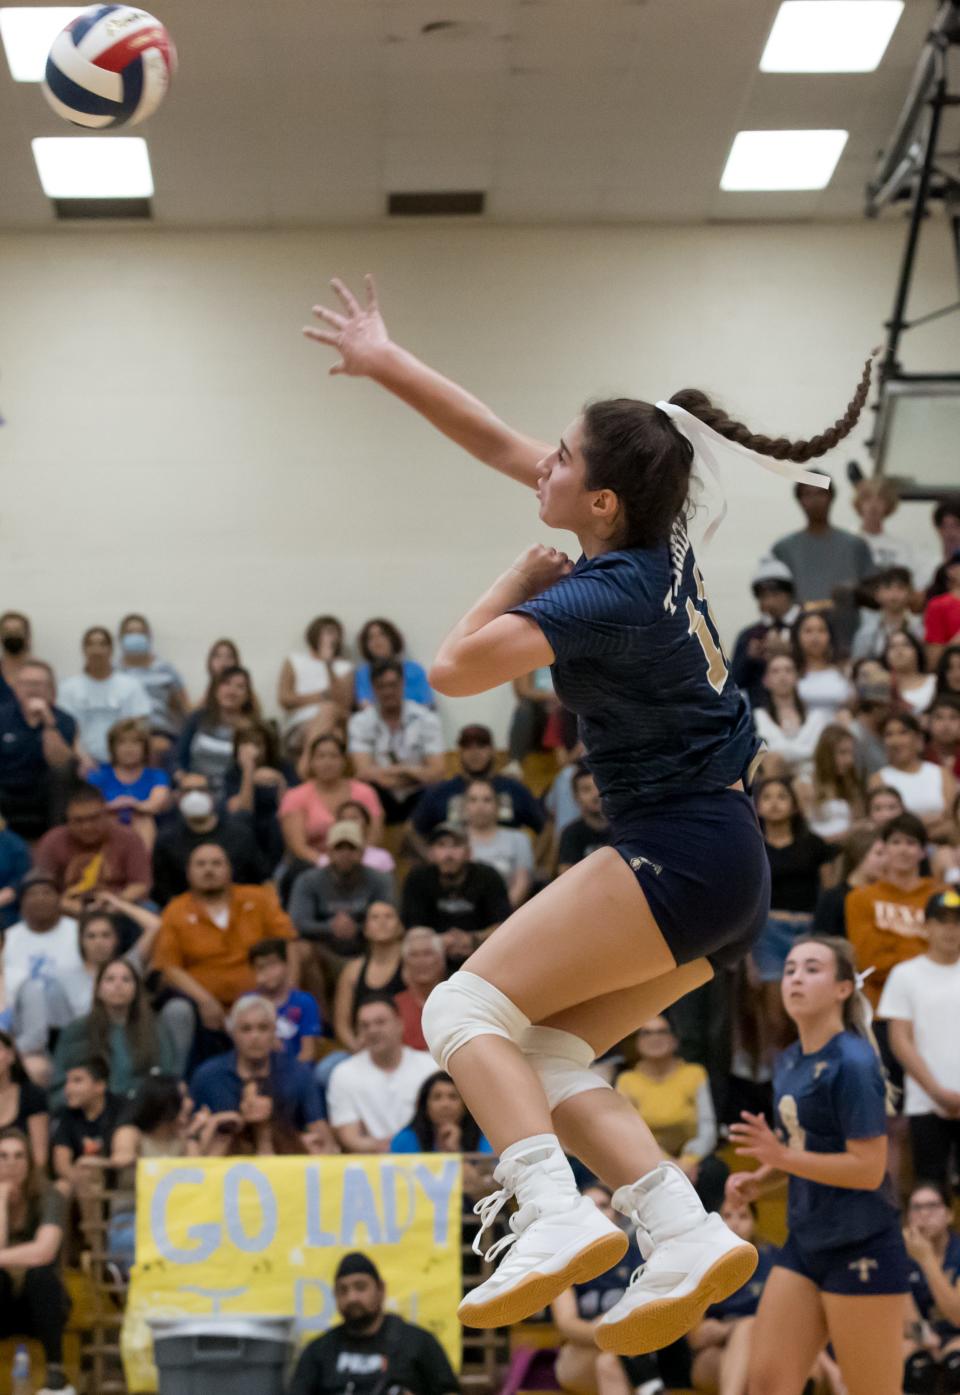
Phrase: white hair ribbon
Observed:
(860, 979)
(705, 442)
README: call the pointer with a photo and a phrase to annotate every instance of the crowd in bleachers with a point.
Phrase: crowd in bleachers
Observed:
(221, 920)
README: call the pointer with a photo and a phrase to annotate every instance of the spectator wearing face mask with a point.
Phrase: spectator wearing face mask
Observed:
(169, 704)
(15, 638)
(198, 821)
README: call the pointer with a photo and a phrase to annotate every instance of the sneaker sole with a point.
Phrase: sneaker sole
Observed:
(665, 1320)
(537, 1290)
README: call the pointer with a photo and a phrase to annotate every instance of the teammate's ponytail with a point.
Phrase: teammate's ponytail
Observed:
(857, 1012)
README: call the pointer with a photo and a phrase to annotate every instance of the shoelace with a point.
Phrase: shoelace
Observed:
(488, 1209)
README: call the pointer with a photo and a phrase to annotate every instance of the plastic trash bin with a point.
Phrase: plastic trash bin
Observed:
(222, 1355)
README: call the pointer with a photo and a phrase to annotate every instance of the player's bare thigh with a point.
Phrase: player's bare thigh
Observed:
(589, 933)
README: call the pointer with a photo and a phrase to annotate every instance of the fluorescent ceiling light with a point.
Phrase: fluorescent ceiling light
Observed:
(27, 35)
(783, 159)
(93, 167)
(830, 36)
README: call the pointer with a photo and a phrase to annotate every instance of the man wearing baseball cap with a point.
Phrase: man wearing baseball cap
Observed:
(921, 1002)
(772, 586)
(328, 904)
(371, 1352)
(443, 803)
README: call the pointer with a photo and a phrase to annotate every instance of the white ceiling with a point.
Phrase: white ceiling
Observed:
(300, 112)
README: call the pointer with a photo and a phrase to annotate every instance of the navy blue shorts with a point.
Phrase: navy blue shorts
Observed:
(877, 1265)
(703, 868)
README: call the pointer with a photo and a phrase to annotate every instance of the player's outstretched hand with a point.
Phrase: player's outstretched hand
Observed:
(539, 567)
(357, 333)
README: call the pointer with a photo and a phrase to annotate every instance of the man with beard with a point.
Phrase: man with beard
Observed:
(371, 1352)
(460, 899)
(444, 802)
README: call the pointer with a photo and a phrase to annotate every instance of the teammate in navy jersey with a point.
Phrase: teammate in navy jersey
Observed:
(934, 1329)
(623, 934)
(842, 1275)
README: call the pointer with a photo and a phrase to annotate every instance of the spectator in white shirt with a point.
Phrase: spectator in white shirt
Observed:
(397, 745)
(906, 660)
(822, 684)
(318, 682)
(875, 500)
(372, 1096)
(921, 1002)
(99, 696)
(790, 732)
(45, 982)
(506, 849)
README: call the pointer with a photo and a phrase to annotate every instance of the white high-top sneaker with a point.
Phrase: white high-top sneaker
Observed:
(692, 1259)
(558, 1237)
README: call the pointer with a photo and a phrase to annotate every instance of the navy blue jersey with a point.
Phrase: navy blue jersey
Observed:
(745, 1301)
(638, 659)
(822, 1100)
(921, 1289)
(599, 1295)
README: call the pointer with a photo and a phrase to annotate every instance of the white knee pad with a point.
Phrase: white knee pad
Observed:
(464, 1007)
(562, 1062)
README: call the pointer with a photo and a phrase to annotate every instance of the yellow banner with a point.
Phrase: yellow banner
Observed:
(239, 1236)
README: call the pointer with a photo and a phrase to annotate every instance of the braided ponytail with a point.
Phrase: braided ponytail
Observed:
(698, 404)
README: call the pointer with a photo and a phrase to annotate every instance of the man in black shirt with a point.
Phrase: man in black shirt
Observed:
(84, 1128)
(591, 830)
(460, 899)
(197, 821)
(371, 1352)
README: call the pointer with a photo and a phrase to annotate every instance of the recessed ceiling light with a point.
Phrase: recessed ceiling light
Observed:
(830, 36)
(93, 167)
(783, 159)
(28, 34)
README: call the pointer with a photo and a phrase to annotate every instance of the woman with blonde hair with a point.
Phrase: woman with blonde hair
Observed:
(136, 791)
(842, 1275)
(875, 500)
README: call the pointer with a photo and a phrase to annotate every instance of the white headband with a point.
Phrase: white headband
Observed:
(706, 441)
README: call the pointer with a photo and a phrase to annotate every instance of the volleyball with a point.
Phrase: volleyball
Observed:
(111, 66)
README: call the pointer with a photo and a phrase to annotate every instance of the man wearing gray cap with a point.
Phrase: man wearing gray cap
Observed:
(328, 904)
(772, 585)
(371, 1352)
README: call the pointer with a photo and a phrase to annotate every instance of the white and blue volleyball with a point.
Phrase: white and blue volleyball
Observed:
(111, 66)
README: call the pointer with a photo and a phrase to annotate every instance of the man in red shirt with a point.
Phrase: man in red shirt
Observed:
(91, 853)
(424, 966)
(941, 619)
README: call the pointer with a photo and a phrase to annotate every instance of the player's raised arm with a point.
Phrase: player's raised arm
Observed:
(366, 350)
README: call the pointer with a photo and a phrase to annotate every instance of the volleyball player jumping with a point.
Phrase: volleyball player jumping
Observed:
(843, 1274)
(635, 653)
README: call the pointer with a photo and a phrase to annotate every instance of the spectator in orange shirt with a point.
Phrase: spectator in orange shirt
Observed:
(885, 920)
(205, 938)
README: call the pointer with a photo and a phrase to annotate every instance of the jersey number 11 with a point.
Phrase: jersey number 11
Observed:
(700, 622)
